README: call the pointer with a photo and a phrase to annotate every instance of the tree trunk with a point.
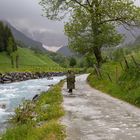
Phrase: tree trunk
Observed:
(95, 16)
(17, 60)
(12, 62)
(98, 55)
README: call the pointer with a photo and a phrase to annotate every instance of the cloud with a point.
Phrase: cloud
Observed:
(28, 14)
(137, 2)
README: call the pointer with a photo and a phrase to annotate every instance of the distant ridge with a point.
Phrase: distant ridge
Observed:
(65, 51)
(137, 41)
(22, 38)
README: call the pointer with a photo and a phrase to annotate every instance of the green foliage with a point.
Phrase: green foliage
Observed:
(24, 113)
(22, 132)
(2, 43)
(130, 78)
(81, 37)
(28, 61)
(59, 59)
(97, 28)
(125, 86)
(90, 70)
(72, 62)
(7, 42)
(10, 46)
(38, 120)
(90, 60)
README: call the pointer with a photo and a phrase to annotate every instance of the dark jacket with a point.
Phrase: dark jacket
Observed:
(70, 81)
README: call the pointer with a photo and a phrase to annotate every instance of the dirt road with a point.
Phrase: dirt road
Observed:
(93, 115)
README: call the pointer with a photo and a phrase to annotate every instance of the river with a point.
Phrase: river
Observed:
(13, 94)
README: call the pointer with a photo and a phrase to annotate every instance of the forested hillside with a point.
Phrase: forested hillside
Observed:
(13, 57)
(28, 60)
(7, 41)
(25, 40)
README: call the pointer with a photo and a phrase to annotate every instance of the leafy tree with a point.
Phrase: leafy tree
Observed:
(10, 50)
(72, 62)
(17, 61)
(98, 17)
(10, 45)
(2, 45)
(118, 54)
(7, 35)
(7, 41)
(81, 36)
(90, 61)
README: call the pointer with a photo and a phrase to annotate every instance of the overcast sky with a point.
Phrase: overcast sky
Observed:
(26, 15)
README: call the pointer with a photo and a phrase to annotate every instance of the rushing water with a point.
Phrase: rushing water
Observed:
(13, 94)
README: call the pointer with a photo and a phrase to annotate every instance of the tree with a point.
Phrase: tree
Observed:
(17, 61)
(6, 38)
(90, 61)
(72, 62)
(81, 37)
(12, 52)
(2, 45)
(100, 14)
(10, 45)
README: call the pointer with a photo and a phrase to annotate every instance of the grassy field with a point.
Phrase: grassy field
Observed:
(123, 83)
(28, 61)
(38, 120)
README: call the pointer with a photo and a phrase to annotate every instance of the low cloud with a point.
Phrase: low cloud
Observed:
(26, 16)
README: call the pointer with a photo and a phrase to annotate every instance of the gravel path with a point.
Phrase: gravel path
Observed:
(92, 115)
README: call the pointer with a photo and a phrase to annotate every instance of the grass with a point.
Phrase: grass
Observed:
(126, 86)
(45, 124)
(28, 61)
(29, 57)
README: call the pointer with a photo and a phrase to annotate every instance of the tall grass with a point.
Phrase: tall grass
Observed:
(126, 87)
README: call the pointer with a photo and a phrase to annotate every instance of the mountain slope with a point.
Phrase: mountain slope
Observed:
(65, 51)
(137, 41)
(23, 39)
(28, 60)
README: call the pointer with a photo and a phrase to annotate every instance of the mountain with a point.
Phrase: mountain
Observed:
(130, 35)
(65, 51)
(137, 41)
(48, 38)
(23, 39)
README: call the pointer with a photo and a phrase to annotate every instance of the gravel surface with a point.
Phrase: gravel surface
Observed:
(93, 115)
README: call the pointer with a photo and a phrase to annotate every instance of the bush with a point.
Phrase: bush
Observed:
(24, 114)
(90, 70)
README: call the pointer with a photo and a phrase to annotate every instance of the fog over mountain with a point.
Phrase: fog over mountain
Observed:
(26, 16)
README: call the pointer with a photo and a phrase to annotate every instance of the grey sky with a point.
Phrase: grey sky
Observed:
(27, 13)
(137, 2)
(26, 16)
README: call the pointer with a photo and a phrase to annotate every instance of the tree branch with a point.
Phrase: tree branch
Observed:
(111, 20)
(82, 5)
(88, 3)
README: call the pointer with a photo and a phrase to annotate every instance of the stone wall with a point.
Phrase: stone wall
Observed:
(23, 76)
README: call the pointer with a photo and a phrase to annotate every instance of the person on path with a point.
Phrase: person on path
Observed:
(70, 81)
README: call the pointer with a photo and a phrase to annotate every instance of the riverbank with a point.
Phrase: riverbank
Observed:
(23, 76)
(38, 119)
